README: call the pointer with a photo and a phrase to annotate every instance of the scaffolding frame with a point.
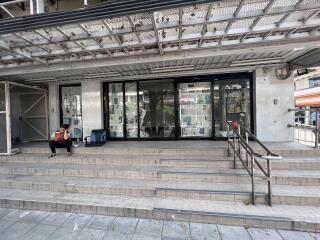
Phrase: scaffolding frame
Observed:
(7, 112)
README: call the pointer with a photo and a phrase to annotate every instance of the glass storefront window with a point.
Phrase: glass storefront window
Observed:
(231, 103)
(116, 110)
(182, 108)
(131, 109)
(71, 109)
(195, 109)
(156, 109)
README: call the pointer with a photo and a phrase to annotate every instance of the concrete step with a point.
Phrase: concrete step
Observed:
(76, 170)
(133, 151)
(289, 177)
(292, 163)
(231, 213)
(148, 160)
(282, 194)
(279, 196)
(128, 187)
(192, 161)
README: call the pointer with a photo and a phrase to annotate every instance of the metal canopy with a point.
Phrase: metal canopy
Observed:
(310, 59)
(226, 34)
(97, 12)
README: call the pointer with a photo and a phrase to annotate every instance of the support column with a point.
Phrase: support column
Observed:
(92, 107)
(40, 6)
(54, 107)
(8, 117)
(31, 7)
(273, 99)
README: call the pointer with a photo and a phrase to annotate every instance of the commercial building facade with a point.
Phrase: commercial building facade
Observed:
(177, 72)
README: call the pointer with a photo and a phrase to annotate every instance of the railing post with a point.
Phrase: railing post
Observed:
(317, 130)
(228, 135)
(253, 180)
(234, 150)
(247, 156)
(239, 145)
(269, 182)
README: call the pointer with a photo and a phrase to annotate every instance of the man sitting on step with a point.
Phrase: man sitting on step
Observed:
(61, 139)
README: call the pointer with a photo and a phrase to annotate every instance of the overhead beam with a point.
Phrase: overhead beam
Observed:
(258, 18)
(266, 10)
(83, 28)
(7, 11)
(21, 52)
(134, 28)
(151, 27)
(238, 9)
(313, 31)
(205, 25)
(12, 2)
(282, 20)
(30, 42)
(180, 28)
(185, 24)
(156, 34)
(64, 33)
(313, 14)
(221, 35)
(109, 28)
(258, 47)
(100, 11)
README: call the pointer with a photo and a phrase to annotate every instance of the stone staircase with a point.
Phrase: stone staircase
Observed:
(188, 184)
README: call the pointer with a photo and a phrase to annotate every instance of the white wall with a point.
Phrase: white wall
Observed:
(92, 107)
(53, 107)
(272, 118)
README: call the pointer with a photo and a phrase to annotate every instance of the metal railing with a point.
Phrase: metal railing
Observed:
(307, 125)
(250, 158)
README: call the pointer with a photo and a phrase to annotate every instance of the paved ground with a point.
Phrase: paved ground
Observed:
(27, 225)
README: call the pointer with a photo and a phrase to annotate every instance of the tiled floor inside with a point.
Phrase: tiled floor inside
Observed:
(32, 225)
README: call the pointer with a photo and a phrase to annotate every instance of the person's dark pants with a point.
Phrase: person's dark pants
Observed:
(65, 144)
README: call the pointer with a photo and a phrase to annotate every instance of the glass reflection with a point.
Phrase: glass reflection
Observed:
(156, 107)
(231, 103)
(131, 110)
(195, 109)
(116, 110)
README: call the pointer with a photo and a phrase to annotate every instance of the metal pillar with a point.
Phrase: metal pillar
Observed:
(316, 134)
(40, 6)
(8, 117)
(31, 7)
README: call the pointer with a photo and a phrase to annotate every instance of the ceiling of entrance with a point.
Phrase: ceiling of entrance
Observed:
(229, 34)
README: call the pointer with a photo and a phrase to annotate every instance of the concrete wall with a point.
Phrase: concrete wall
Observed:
(53, 104)
(92, 107)
(273, 99)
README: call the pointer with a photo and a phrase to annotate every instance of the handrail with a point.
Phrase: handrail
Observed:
(238, 143)
(315, 129)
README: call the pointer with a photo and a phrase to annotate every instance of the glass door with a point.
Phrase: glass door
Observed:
(131, 104)
(231, 103)
(72, 109)
(116, 118)
(156, 109)
(195, 112)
